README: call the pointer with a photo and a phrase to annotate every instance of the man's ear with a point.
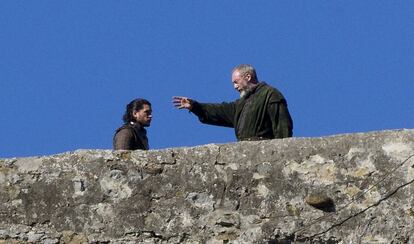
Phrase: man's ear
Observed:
(248, 77)
(134, 114)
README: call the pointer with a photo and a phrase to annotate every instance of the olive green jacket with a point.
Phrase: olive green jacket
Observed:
(261, 114)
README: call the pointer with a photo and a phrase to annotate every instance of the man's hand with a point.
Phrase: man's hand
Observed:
(183, 102)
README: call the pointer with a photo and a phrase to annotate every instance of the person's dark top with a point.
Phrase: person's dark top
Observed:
(261, 114)
(131, 136)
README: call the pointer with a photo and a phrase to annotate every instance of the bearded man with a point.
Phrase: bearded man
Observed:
(261, 112)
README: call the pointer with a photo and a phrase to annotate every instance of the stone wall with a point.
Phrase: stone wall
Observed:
(247, 192)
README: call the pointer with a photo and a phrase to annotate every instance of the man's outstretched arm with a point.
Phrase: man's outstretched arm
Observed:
(221, 114)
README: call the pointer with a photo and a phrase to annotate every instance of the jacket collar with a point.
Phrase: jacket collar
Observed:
(254, 89)
(137, 126)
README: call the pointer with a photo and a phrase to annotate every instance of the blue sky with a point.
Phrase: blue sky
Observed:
(68, 68)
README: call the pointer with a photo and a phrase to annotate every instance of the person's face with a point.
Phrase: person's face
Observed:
(240, 83)
(144, 115)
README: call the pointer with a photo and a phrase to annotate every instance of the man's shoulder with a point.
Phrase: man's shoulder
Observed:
(266, 87)
(126, 128)
(269, 90)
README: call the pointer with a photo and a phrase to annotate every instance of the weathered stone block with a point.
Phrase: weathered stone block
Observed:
(246, 192)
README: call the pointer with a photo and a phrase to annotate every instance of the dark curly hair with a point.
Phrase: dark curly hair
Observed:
(133, 106)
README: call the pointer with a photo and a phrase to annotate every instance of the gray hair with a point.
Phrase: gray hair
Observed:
(246, 69)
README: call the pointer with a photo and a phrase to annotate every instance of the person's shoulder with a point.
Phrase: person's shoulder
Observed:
(264, 86)
(126, 128)
(271, 91)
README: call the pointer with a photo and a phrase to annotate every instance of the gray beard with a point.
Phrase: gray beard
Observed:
(243, 93)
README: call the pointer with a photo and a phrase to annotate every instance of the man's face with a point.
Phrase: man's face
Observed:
(240, 83)
(144, 115)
